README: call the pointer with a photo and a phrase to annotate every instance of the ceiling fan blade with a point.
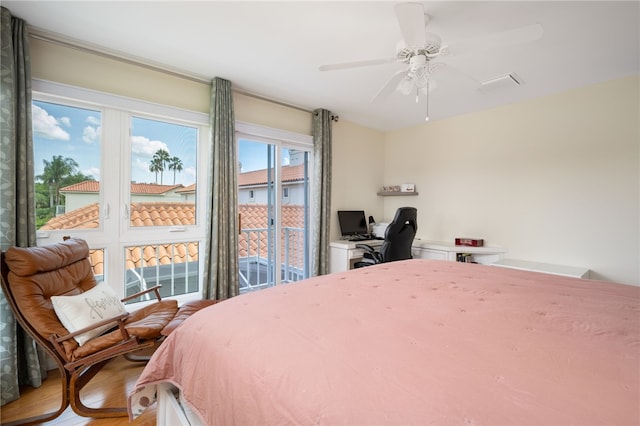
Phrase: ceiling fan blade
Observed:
(500, 39)
(450, 75)
(389, 86)
(357, 64)
(411, 19)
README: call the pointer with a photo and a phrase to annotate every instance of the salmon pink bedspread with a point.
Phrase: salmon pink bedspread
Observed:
(417, 342)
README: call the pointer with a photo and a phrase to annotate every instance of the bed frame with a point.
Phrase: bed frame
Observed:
(171, 411)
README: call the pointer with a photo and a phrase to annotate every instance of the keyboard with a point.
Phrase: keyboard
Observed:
(360, 238)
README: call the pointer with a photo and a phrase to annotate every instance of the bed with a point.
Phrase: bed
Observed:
(417, 342)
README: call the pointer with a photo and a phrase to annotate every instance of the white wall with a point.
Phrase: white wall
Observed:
(260, 195)
(74, 201)
(358, 165)
(555, 179)
(62, 64)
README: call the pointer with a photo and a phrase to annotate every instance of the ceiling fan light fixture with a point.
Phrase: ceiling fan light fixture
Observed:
(421, 77)
(405, 86)
(418, 61)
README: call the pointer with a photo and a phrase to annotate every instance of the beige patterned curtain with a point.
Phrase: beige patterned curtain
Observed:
(321, 192)
(19, 356)
(221, 270)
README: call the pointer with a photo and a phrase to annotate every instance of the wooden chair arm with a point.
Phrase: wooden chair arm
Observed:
(118, 320)
(155, 289)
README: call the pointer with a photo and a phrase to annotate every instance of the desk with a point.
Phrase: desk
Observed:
(344, 254)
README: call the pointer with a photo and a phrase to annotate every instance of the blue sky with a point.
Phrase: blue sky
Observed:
(76, 133)
(253, 155)
(70, 132)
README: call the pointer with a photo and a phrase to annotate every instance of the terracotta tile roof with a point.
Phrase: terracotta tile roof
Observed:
(254, 216)
(136, 188)
(163, 214)
(85, 186)
(142, 214)
(87, 217)
(257, 177)
(152, 188)
(96, 258)
(172, 214)
(163, 254)
(190, 188)
(150, 255)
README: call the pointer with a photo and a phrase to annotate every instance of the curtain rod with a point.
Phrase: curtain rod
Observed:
(61, 40)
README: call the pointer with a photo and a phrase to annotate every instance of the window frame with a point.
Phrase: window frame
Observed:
(115, 232)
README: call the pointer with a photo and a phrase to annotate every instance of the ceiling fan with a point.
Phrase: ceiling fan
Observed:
(420, 49)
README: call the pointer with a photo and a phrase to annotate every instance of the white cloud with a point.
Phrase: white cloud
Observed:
(144, 147)
(140, 171)
(46, 125)
(91, 134)
(140, 164)
(66, 121)
(93, 120)
(190, 171)
(92, 171)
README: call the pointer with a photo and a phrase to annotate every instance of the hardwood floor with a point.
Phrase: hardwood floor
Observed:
(109, 388)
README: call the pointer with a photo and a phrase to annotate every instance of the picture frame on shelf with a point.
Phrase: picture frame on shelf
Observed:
(407, 187)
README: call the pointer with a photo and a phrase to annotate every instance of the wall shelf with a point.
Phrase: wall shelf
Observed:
(395, 193)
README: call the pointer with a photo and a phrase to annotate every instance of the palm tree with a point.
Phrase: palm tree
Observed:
(162, 157)
(175, 164)
(55, 171)
(155, 166)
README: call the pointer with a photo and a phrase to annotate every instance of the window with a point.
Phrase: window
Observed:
(285, 194)
(126, 182)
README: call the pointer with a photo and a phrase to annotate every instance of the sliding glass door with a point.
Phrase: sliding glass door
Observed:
(273, 205)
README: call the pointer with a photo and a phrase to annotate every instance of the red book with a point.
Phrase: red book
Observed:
(469, 242)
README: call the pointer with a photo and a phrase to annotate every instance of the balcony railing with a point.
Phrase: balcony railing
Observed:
(178, 275)
(168, 265)
(256, 271)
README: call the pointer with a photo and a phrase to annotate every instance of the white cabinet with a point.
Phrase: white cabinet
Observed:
(343, 254)
(426, 253)
(441, 250)
(547, 268)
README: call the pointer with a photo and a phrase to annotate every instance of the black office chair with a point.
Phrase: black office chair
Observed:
(397, 240)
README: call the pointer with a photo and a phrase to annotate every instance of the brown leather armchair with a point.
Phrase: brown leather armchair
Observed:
(31, 276)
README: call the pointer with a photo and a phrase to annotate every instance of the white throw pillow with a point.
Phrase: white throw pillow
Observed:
(90, 307)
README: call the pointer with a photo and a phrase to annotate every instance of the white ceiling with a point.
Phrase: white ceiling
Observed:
(274, 49)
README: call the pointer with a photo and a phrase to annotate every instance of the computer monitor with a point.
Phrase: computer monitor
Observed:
(352, 222)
